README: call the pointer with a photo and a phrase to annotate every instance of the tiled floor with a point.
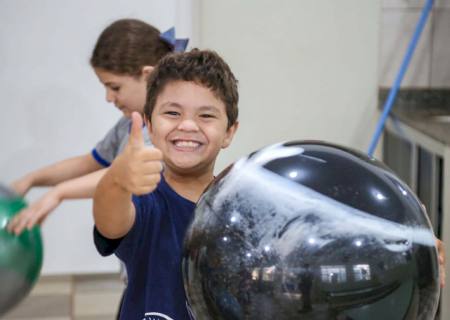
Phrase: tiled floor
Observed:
(84, 297)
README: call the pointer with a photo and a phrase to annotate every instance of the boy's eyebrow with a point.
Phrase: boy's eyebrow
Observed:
(202, 108)
(210, 108)
(171, 104)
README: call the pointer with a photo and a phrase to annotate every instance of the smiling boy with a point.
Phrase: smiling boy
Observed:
(191, 114)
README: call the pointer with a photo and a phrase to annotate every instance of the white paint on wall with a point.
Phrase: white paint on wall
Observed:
(307, 68)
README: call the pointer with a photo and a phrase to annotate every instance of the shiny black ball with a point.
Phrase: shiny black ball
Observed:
(310, 230)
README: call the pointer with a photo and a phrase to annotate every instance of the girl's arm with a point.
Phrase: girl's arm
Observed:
(78, 188)
(56, 173)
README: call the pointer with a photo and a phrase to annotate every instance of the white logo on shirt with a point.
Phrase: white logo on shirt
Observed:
(156, 316)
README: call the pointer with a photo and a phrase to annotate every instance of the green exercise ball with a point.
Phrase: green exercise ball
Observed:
(20, 256)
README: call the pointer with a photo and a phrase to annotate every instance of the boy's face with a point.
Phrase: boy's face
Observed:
(189, 125)
(126, 92)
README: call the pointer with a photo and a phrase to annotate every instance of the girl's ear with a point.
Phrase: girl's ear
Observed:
(146, 70)
(148, 124)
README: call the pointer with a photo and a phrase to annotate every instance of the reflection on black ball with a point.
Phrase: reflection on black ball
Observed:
(309, 230)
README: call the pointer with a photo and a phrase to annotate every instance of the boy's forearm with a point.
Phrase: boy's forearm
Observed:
(114, 211)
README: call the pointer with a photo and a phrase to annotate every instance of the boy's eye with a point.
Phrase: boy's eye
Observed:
(207, 115)
(171, 113)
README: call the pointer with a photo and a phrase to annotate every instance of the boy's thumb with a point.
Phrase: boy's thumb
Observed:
(136, 138)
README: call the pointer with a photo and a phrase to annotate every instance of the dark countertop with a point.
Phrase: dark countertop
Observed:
(426, 110)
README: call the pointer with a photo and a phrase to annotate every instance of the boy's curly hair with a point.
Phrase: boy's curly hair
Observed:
(203, 67)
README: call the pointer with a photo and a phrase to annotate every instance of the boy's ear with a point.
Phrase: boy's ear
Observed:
(147, 70)
(230, 134)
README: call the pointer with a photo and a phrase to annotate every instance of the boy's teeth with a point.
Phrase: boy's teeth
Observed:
(186, 144)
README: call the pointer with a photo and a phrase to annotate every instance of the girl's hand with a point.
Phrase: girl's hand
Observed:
(35, 213)
(21, 186)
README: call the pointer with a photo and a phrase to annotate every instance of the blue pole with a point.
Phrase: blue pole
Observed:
(398, 80)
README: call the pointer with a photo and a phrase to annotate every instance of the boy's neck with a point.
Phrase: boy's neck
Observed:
(188, 186)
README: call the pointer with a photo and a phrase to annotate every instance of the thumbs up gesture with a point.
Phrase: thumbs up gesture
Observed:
(138, 168)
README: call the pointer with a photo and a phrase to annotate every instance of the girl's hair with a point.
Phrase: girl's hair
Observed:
(127, 45)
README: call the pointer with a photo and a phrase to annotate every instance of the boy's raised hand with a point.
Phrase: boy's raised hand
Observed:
(138, 168)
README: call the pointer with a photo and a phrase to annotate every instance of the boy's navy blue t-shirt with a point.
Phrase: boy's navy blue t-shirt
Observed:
(152, 253)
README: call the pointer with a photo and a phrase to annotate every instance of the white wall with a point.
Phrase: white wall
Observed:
(430, 64)
(53, 107)
(307, 68)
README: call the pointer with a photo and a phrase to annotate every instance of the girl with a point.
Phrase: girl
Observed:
(122, 59)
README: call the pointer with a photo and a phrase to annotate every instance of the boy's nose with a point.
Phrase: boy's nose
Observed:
(188, 125)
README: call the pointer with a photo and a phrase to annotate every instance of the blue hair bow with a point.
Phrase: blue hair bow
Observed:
(179, 45)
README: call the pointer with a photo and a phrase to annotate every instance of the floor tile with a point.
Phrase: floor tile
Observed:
(42, 306)
(96, 304)
(57, 285)
(96, 283)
